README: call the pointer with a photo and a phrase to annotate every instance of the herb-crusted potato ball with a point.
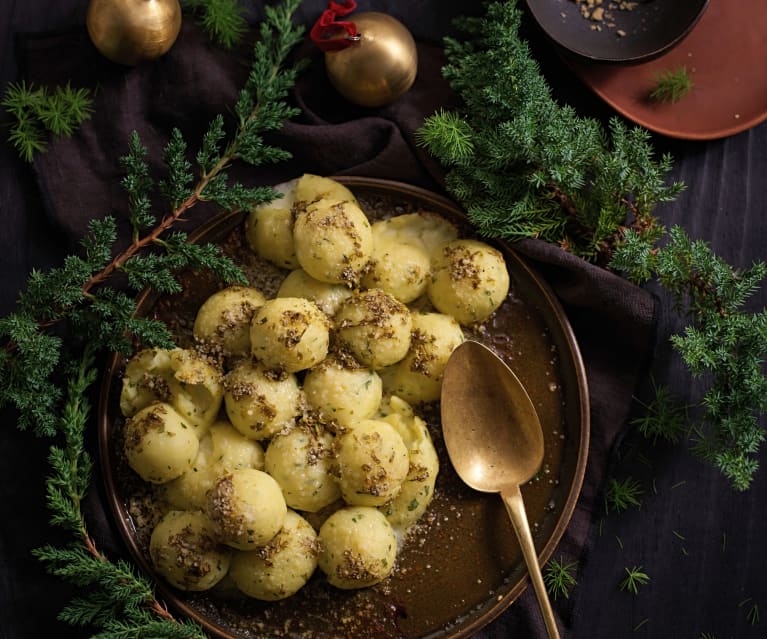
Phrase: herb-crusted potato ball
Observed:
(418, 377)
(188, 491)
(401, 269)
(358, 547)
(469, 280)
(184, 550)
(223, 320)
(328, 297)
(374, 327)
(260, 403)
(333, 241)
(372, 462)
(402, 246)
(269, 228)
(159, 444)
(247, 508)
(341, 392)
(222, 450)
(300, 460)
(281, 567)
(289, 334)
(231, 450)
(180, 377)
(411, 502)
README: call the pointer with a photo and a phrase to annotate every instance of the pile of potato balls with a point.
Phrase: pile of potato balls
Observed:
(286, 439)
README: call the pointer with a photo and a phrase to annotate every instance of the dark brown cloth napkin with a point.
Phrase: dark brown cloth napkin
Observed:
(79, 178)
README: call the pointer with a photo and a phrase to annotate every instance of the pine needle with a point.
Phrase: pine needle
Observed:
(39, 113)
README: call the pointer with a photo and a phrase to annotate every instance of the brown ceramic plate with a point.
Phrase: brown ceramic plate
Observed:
(723, 55)
(463, 566)
(621, 31)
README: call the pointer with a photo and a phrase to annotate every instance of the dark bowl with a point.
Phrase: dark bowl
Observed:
(464, 566)
(643, 30)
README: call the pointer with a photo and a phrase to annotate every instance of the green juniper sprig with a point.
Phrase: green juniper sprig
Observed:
(634, 578)
(67, 316)
(222, 20)
(723, 344)
(664, 417)
(116, 598)
(522, 165)
(559, 577)
(38, 112)
(78, 294)
(620, 495)
(671, 85)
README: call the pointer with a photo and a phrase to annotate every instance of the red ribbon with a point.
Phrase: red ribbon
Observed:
(325, 32)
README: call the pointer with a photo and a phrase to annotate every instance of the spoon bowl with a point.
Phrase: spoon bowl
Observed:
(495, 442)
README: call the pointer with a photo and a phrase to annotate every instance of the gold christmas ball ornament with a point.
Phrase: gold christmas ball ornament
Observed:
(133, 31)
(380, 63)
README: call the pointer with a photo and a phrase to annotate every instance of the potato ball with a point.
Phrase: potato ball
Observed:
(312, 188)
(281, 567)
(247, 508)
(180, 377)
(417, 491)
(231, 450)
(188, 491)
(418, 377)
(333, 241)
(223, 320)
(422, 228)
(328, 297)
(300, 460)
(259, 403)
(159, 444)
(374, 327)
(401, 269)
(269, 228)
(184, 550)
(372, 462)
(469, 280)
(289, 334)
(222, 450)
(358, 547)
(342, 393)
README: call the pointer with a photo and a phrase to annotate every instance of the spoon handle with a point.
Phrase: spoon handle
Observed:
(515, 506)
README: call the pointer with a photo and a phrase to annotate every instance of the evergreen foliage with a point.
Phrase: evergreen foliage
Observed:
(723, 344)
(69, 315)
(524, 166)
(116, 599)
(635, 577)
(39, 112)
(78, 293)
(671, 85)
(664, 417)
(623, 494)
(559, 577)
(222, 20)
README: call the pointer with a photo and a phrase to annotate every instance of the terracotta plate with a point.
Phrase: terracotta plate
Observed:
(624, 31)
(462, 566)
(723, 55)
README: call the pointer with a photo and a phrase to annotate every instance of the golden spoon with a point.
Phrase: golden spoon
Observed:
(495, 442)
